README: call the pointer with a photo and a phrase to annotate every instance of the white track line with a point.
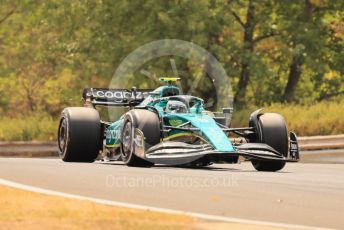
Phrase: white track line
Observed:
(155, 209)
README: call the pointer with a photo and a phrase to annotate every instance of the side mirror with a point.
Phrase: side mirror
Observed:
(227, 110)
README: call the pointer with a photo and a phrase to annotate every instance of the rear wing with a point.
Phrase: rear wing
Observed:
(114, 97)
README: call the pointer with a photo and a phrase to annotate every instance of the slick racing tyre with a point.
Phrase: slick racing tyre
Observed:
(271, 130)
(79, 134)
(148, 122)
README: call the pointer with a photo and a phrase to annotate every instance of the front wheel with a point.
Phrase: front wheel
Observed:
(146, 121)
(271, 130)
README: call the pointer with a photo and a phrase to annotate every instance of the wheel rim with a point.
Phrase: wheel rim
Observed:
(63, 135)
(127, 139)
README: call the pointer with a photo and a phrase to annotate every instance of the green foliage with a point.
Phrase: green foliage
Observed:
(322, 118)
(26, 128)
(51, 50)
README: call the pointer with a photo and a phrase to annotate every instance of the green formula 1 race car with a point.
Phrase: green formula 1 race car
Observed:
(164, 127)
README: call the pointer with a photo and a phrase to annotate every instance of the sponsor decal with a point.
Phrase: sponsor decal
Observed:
(175, 122)
(116, 95)
(113, 134)
(294, 150)
(293, 146)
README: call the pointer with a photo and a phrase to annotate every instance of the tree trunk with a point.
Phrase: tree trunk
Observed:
(295, 68)
(295, 71)
(239, 98)
(6, 16)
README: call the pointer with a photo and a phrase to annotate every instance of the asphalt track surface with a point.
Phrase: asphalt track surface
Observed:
(301, 194)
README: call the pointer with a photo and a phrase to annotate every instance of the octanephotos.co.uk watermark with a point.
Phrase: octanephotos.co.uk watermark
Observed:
(170, 182)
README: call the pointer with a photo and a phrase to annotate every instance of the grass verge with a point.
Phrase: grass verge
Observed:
(21, 209)
(38, 126)
(323, 118)
(32, 211)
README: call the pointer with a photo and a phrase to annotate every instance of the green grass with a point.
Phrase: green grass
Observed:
(324, 118)
(25, 128)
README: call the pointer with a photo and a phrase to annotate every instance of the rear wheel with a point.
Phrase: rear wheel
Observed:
(148, 123)
(79, 135)
(271, 130)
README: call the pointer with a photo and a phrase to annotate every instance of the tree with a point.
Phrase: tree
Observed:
(272, 50)
(295, 69)
(309, 34)
(256, 27)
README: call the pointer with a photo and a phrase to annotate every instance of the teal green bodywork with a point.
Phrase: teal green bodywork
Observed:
(208, 129)
(113, 134)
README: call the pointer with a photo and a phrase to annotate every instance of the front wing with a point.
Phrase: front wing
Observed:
(174, 153)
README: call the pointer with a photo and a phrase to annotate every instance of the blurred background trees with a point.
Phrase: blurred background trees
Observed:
(273, 51)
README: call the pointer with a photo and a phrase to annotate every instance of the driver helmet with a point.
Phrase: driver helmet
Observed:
(176, 107)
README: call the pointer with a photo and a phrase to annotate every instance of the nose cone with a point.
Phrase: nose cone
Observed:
(212, 132)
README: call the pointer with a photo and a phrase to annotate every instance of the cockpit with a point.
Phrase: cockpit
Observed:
(174, 106)
(182, 104)
(168, 99)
